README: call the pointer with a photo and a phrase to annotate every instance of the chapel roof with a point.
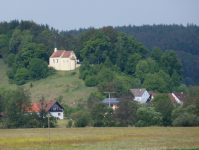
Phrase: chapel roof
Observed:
(63, 53)
(66, 54)
(137, 92)
(58, 53)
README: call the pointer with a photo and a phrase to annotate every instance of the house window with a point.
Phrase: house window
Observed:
(57, 60)
(53, 61)
(59, 114)
(63, 61)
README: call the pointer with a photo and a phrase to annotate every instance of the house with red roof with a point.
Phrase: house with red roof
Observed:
(63, 60)
(53, 107)
(33, 108)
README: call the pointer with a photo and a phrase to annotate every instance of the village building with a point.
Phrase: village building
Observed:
(63, 60)
(34, 108)
(113, 102)
(141, 95)
(53, 107)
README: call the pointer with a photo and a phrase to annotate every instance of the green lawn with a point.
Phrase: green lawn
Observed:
(62, 83)
(128, 138)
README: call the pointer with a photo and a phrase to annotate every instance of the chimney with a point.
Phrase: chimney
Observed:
(181, 92)
(140, 89)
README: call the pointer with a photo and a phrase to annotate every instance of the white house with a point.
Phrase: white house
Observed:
(53, 107)
(141, 95)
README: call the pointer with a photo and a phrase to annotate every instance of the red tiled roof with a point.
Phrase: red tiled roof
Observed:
(180, 96)
(34, 108)
(150, 92)
(171, 97)
(137, 92)
(46, 105)
(66, 54)
(58, 53)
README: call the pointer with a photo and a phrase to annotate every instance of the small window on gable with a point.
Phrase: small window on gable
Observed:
(57, 60)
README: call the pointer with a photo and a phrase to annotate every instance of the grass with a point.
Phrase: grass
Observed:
(101, 138)
(62, 83)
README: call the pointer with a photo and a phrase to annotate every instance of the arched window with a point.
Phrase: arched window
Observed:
(53, 61)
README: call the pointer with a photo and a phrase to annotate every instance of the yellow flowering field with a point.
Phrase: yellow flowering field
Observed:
(101, 138)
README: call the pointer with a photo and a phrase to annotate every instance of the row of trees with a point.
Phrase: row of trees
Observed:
(15, 107)
(161, 111)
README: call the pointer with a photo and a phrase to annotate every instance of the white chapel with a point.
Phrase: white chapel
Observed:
(63, 60)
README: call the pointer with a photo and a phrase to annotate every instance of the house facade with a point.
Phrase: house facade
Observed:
(63, 60)
(53, 107)
(141, 95)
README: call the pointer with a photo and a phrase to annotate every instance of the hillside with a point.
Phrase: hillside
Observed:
(62, 83)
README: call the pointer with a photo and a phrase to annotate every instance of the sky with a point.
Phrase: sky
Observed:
(75, 14)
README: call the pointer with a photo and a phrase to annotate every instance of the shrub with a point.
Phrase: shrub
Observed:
(186, 120)
(81, 118)
(70, 123)
(91, 81)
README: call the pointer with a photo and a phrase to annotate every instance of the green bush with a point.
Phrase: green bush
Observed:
(81, 118)
(91, 81)
(141, 123)
(70, 123)
(186, 120)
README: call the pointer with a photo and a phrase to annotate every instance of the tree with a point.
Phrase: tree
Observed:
(192, 98)
(108, 63)
(97, 113)
(126, 111)
(164, 105)
(3, 43)
(147, 116)
(81, 118)
(38, 68)
(156, 54)
(142, 69)
(17, 107)
(155, 82)
(21, 76)
(59, 100)
(132, 62)
(170, 63)
(11, 59)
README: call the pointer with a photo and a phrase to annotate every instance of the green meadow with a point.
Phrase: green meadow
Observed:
(63, 83)
(128, 138)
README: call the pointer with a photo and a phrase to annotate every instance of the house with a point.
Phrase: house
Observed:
(63, 60)
(141, 95)
(53, 107)
(113, 102)
(179, 97)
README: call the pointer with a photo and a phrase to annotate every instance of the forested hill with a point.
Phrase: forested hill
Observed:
(182, 39)
(21, 42)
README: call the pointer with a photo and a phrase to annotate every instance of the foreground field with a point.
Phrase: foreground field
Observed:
(101, 138)
(62, 83)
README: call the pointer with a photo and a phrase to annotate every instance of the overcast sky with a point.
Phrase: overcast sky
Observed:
(75, 14)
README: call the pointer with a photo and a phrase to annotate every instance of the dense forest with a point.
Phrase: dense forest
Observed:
(183, 40)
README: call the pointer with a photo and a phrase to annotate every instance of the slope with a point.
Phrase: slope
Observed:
(65, 83)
